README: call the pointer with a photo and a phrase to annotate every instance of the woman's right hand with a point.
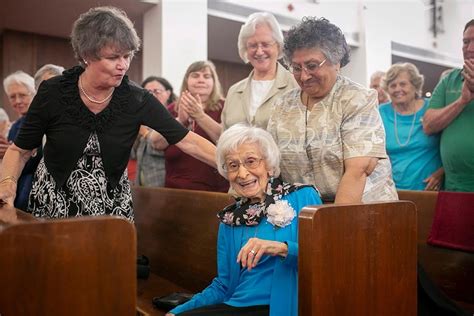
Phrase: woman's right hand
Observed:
(8, 191)
(183, 116)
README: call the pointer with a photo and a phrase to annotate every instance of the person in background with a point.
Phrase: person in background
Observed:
(4, 124)
(329, 130)
(4, 129)
(201, 100)
(251, 100)
(20, 90)
(90, 115)
(376, 83)
(150, 161)
(451, 113)
(46, 72)
(416, 163)
(257, 245)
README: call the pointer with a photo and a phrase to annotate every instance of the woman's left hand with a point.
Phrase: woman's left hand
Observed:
(255, 248)
(192, 105)
(433, 182)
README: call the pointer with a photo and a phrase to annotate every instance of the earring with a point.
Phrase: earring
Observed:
(85, 62)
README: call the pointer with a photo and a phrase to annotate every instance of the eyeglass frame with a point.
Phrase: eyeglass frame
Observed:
(263, 45)
(156, 91)
(21, 96)
(305, 68)
(244, 163)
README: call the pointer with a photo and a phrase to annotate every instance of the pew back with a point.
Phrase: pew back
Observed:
(358, 259)
(451, 270)
(68, 267)
(177, 231)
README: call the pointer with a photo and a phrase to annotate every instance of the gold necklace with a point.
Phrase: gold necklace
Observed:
(411, 128)
(92, 99)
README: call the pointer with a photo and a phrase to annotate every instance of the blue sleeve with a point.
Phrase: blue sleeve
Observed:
(216, 292)
(304, 197)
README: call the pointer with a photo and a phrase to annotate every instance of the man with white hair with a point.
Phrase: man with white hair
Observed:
(376, 83)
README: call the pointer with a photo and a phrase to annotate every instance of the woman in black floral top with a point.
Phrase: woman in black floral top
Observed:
(91, 116)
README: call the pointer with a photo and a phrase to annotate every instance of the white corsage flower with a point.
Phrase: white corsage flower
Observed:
(280, 214)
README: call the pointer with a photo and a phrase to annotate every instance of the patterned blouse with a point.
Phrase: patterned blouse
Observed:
(314, 144)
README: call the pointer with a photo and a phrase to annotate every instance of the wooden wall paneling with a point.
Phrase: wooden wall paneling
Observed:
(29, 52)
(53, 50)
(230, 73)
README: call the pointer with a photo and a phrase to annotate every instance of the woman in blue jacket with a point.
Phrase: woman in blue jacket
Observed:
(257, 247)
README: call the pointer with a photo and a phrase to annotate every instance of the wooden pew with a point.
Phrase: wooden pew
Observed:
(358, 260)
(177, 231)
(451, 270)
(70, 267)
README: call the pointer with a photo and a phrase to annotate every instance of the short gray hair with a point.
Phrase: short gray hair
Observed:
(20, 77)
(416, 79)
(54, 70)
(377, 74)
(318, 33)
(241, 133)
(100, 27)
(248, 30)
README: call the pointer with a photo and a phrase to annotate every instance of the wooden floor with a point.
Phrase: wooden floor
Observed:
(153, 286)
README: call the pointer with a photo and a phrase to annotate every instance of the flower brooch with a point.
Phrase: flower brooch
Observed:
(280, 214)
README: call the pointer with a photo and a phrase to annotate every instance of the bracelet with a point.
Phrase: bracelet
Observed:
(9, 178)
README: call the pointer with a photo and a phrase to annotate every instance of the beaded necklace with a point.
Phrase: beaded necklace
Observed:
(411, 128)
(92, 99)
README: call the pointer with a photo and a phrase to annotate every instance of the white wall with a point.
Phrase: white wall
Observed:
(175, 35)
(378, 23)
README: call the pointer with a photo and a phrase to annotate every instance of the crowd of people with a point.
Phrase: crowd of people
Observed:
(295, 132)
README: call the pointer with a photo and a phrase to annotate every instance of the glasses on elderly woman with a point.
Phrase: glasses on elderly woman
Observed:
(263, 45)
(309, 67)
(156, 91)
(249, 164)
(21, 96)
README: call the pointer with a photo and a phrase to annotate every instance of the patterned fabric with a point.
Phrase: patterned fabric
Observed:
(314, 144)
(244, 212)
(150, 165)
(85, 193)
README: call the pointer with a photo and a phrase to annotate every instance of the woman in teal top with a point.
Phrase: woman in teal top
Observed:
(416, 162)
(257, 247)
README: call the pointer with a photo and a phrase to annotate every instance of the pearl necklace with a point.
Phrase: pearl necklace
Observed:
(411, 128)
(92, 99)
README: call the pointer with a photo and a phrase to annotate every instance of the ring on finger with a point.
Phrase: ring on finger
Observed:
(252, 252)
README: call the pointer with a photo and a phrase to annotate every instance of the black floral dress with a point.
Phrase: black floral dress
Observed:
(85, 193)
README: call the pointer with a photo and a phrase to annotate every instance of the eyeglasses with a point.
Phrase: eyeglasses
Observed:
(21, 96)
(310, 67)
(263, 45)
(156, 91)
(249, 164)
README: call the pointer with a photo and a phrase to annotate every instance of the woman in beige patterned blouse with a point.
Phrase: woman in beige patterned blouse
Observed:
(329, 130)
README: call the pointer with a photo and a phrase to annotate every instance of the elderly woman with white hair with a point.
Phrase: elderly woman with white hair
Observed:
(251, 100)
(415, 156)
(257, 247)
(20, 89)
(46, 72)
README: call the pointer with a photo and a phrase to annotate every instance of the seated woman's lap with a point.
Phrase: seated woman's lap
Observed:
(227, 310)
